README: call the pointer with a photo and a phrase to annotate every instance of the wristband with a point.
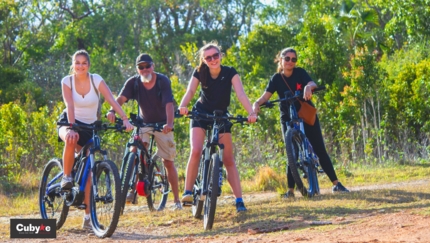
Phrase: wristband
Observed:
(112, 111)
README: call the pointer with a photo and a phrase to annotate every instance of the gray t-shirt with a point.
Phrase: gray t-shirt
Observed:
(152, 102)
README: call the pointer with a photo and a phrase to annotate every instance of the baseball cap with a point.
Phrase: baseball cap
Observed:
(143, 58)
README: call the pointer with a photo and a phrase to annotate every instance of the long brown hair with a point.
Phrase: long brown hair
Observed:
(281, 55)
(80, 52)
(202, 68)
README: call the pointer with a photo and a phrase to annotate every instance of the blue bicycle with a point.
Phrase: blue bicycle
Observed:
(300, 154)
(105, 202)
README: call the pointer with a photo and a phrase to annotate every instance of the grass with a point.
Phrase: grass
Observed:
(264, 211)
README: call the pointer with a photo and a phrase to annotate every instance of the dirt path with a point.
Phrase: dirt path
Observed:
(404, 225)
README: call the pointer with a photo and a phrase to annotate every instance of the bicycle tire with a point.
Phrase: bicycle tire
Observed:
(158, 185)
(52, 174)
(106, 201)
(312, 180)
(125, 179)
(295, 150)
(197, 206)
(212, 193)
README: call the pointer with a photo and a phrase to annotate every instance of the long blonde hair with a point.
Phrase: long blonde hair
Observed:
(202, 68)
(80, 52)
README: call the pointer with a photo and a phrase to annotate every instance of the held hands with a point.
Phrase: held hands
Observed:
(111, 116)
(167, 128)
(252, 117)
(256, 107)
(307, 92)
(183, 110)
(72, 136)
(127, 125)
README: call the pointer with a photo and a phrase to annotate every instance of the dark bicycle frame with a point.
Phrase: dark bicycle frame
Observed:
(144, 164)
(310, 162)
(212, 143)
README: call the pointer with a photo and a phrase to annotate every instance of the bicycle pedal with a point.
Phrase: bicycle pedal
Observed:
(187, 204)
(82, 206)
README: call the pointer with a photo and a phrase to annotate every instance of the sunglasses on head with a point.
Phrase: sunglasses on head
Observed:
(142, 67)
(287, 59)
(213, 57)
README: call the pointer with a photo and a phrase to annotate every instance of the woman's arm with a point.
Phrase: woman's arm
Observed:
(68, 100)
(263, 99)
(307, 91)
(240, 93)
(189, 94)
(105, 91)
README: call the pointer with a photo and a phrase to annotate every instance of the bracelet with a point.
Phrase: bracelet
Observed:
(112, 111)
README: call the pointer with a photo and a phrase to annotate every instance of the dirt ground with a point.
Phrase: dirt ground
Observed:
(408, 225)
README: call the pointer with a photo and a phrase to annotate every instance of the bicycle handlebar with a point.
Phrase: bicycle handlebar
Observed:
(208, 117)
(96, 126)
(298, 95)
(138, 122)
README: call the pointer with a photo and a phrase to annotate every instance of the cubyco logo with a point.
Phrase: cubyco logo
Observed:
(32, 228)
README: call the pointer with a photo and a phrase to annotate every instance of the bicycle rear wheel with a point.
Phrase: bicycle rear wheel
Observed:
(296, 159)
(212, 193)
(51, 202)
(159, 185)
(126, 175)
(105, 206)
(197, 206)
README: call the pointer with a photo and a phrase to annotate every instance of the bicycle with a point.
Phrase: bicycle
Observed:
(208, 184)
(105, 201)
(150, 170)
(300, 154)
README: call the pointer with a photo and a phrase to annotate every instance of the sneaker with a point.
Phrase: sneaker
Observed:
(240, 207)
(86, 225)
(288, 194)
(67, 182)
(339, 188)
(187, 198)
(177, 206)
(130, 196)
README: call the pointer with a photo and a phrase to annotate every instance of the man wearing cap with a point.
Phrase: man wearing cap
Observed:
(153, 92)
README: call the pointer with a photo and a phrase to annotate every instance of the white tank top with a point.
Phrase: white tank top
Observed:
(85, 107)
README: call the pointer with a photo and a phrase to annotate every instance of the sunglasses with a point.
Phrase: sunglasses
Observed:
(213, 57)
(287, 59)
(142, 67)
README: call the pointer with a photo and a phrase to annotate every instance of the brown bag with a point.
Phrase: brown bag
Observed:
(307, 112)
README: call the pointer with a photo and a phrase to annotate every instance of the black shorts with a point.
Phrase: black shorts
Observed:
(84, 136)
(205, 124)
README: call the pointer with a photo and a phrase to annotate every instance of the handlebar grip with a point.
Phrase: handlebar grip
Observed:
(319, 88)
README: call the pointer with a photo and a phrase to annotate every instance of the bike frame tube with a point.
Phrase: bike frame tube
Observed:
(52, 181)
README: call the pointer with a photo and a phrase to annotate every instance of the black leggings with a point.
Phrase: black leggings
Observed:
(314, 134)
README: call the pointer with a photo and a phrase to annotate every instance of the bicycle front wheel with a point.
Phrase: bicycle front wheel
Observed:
(105, 203)
(197, 206)
(51, 201)
(296, 158)
(126, 175)
(212, 192)
(159, 185)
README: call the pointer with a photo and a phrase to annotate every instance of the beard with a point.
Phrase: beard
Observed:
(146, 78)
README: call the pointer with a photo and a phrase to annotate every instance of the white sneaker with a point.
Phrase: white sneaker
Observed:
(130, 196)
(177, 206)
(86, 225)
(67, 182)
